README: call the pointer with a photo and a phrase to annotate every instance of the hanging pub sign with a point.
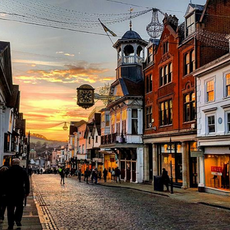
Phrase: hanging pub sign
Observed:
(85, 96)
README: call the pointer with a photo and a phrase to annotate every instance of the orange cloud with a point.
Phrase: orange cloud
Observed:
(73, 74)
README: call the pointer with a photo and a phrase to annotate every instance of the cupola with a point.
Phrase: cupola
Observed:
(130, 55)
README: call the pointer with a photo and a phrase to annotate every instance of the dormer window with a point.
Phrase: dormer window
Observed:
(190, 24)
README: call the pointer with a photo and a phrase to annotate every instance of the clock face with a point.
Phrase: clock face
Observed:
(85, 96)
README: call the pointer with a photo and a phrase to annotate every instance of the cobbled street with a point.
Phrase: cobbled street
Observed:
(87, 206)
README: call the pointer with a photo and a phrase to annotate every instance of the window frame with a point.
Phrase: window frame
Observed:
(149, 82)
(190, 24)
(134, 122)
(150, 54)
(227, 86)
(208, 125)
(148, 116)
(209, 91)
(189, 105)
(166, 113)
(165, 47)
(165, 74)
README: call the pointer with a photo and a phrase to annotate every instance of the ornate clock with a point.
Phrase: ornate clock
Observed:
(85, 96)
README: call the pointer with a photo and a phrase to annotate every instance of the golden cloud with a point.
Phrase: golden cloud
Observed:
(72, 74)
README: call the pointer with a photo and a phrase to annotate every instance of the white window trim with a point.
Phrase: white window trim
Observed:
(206, 121)
(226, 112)
(224, 84)
(205, 89)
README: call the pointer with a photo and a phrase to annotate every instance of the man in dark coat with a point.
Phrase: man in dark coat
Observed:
(17, 188)
(105, 174)
(118, 175)
(165, 179)
(3, 170)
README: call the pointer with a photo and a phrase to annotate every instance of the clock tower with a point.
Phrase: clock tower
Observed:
(130, 56)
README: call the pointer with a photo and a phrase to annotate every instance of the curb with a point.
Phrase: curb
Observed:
(214, 205)
(136, 189)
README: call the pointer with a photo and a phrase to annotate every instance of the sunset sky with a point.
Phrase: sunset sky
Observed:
(58, 45)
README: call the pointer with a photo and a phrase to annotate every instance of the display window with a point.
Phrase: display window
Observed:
(171, 155)
(217, 171)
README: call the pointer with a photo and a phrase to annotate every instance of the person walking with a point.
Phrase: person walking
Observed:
(165, 179)
(79, 175)
(105, 174)
(87, 174)
(2, 192)
(17, 189)
(118, 175)
(62, 175)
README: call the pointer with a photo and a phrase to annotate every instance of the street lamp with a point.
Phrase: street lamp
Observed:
(171, 182)
(65, 127)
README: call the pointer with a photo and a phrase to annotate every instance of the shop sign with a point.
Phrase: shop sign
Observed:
(111, 159)
(216, 170)
(197, 153)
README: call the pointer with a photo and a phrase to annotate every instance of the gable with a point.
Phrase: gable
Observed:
(118, 91)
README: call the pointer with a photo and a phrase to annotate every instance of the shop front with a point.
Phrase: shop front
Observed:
(110, 162)
(170, 158)
(216, 168)
(128, 161)
(176, 158)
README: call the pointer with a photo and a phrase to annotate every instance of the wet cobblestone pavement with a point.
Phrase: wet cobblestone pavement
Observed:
(87, 206)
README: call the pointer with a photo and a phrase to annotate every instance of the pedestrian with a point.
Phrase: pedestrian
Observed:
(86, 175)
(113, 174)
(62, 175)
(66, 172)
(95, 175)
(30, 171)
(3, 192)
(105, 174)
(17, 189)
(79, 175)
(165, 179)
(118, 175)
(99, 174)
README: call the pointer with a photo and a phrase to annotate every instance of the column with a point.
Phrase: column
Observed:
(146, 163)
(201, 184)
(184, 166)
(155, 166)
(139, 165)
(129, 121)
(140, 121)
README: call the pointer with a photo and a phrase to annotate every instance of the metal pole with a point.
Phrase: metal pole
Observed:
(171, 183)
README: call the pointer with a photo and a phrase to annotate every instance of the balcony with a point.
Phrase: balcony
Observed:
(111, 139)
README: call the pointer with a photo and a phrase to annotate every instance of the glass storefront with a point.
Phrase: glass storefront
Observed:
(171, 155)
(217, 171)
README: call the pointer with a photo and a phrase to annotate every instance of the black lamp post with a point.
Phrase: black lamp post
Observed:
(171, 183)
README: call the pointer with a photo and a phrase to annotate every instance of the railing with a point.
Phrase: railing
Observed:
(130, 60)
(111, 138)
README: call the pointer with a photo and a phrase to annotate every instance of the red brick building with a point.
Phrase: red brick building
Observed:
(170, 100)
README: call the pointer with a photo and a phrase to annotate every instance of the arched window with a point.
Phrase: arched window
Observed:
(186, 66)
(192, 61)
(129, 54)
(128, 50)
(189, 107)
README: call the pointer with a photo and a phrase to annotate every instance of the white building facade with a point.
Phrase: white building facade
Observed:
(213, 125)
